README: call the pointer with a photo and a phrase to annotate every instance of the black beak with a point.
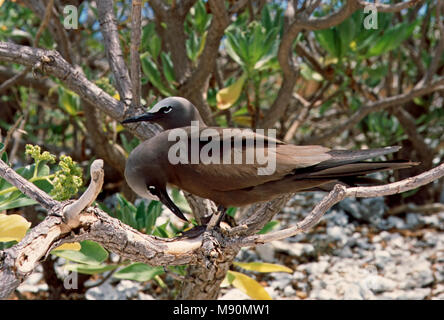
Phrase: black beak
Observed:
(143, 117)
(165, 199)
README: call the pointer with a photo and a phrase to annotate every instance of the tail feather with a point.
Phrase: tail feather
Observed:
(342, 157)
(359, 169)
(347, 167)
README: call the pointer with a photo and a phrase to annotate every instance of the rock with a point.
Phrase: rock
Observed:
(439, 297)
(439, 289)
(337, 234)
(34, 278)
(413, 221)
(431, 220)
(322, 294)
(417, 294)
(314, 268)
(344, 252)
(439, 272)
(378, 284)
(266, 252)
(294, 249)
(298, 276)
(336, 217)
(353, 292)
(145, 296)
(370, 209)
(128, 288)
(33, 288)
(234, 294)
(281, 281)
(289, 291)
(396, 222)
(302, 286)
(104, 292)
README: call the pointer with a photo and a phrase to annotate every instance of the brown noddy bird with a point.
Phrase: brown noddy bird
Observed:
(149, 168)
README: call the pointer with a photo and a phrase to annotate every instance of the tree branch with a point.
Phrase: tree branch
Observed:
(68, 224)
(52, 63)
(390, 8)
(378, 106)
(136, 31)
(339, 193)
(113, 50)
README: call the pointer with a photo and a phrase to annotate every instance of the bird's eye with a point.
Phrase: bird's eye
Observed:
(166, 109)
(152, 189)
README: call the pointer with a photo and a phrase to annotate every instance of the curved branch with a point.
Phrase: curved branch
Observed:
(71, 212)
(339, 193)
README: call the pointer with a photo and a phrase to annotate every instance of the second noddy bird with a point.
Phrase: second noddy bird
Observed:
(297, 168)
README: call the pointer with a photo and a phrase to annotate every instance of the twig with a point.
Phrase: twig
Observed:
(390, 8)
(377, 106)
(409, 207)
(136, 14)
(10, 133)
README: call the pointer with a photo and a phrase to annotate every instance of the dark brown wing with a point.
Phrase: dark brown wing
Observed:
(222, 173)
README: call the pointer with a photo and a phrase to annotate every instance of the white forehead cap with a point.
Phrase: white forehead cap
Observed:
(170, 101)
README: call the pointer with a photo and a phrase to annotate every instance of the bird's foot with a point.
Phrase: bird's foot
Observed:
(193, 232)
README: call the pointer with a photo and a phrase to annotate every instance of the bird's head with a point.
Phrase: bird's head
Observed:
(170, 113)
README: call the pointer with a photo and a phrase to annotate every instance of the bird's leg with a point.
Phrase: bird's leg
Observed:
(217, 217)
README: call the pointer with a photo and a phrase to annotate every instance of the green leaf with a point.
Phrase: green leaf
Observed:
(139, 272)
(168, 67)
(262, 267)
(269, 226)
(69, 101)
(392, 38)
(346, 33)
(150, 70)
(141, 216)
(90, 268)
(150, 40)
(153, 212)
(161, 231)
(329, 41)
(180, 200)
(91, 253)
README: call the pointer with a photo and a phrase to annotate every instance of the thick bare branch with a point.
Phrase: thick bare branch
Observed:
(113, 49)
